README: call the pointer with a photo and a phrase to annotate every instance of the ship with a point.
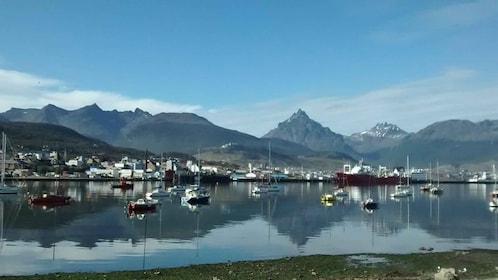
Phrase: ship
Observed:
(364, 175)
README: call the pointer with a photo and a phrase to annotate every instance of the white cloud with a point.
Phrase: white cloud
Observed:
(418, 25)
(455, 94)
(452, 95)
(23, 90)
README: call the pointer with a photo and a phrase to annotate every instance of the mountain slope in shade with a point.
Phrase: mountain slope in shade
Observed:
(380, 136)
(300, 129)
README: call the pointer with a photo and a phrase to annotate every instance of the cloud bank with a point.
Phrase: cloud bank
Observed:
(454, 94)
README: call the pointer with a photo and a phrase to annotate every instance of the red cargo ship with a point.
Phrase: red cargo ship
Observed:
(365, 175)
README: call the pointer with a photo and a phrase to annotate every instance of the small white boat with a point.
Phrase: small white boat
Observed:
(197, 195)
(369, 203)
(158, 193)
(436, 190)
(177, 188)
(265, 188)
(493, 203)
(341, 192)
(401, 194)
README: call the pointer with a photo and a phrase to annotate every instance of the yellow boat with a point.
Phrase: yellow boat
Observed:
(327, 197)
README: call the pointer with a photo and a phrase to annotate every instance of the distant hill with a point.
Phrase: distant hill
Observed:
(296, 141)
(29, 137)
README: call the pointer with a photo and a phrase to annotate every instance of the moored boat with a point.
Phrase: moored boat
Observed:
(141, 206)
(369, 203)
(364, 175)
(49, 200)
(197, 195)
(123, 184)
(327, 197)
(157, 193)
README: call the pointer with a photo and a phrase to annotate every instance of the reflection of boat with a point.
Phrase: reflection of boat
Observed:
(364, 175)
(49, 200)
(369, 203)
(4, 188)
(123, 184)
(141, 206)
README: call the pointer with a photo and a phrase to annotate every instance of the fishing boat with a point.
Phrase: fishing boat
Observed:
(365, 175)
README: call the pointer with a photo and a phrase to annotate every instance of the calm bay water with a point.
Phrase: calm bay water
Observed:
(95, 234)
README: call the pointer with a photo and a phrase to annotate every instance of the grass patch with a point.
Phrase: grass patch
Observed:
(480, 264)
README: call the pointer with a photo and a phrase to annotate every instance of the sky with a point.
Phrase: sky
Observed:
(249, 65)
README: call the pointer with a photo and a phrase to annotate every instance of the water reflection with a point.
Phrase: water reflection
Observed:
(94, 232)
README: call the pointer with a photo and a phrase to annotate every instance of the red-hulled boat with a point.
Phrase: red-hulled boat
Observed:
(364, 175)
(123, 184)
(141, 206)
(49, 200)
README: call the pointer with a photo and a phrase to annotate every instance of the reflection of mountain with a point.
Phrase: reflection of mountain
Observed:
(297, 214)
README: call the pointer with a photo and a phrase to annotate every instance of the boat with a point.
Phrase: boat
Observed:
(267, 187)
(494, 192)
(49, 200)
(401, 194)
(369, 203)
(341, 192)
(4, 188)
(493, 203)
(123, 184)
(364, 175)
(197, 195)
(141, 206)
(177, 188)
(437, 189)
(327, 197)
(157, 193)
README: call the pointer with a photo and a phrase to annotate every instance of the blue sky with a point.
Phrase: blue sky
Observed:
(248, 65)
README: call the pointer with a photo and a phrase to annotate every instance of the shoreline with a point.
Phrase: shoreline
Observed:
(466, 264)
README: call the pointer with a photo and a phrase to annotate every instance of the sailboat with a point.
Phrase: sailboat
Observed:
(428, 186)
(437, 190)
(268, 186)
(4, 188)
(196, 194)
(404, 190)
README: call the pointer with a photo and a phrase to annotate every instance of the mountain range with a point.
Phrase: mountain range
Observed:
(294, 141)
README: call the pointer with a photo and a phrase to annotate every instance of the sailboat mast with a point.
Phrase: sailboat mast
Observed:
(4, 145)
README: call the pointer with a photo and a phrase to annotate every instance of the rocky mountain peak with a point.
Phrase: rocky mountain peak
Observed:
(384, 130)
(300, 115)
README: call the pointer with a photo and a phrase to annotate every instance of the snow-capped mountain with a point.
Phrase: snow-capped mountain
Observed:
(380, 130)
